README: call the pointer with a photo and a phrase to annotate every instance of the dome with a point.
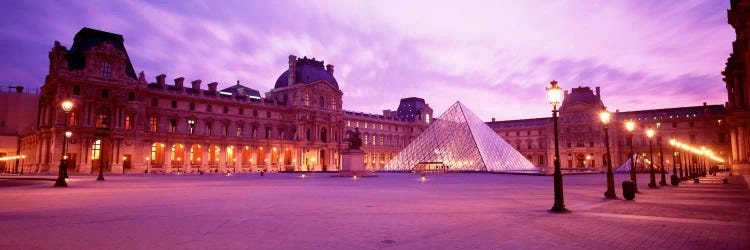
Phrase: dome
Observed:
(307, 71)
(582, 96)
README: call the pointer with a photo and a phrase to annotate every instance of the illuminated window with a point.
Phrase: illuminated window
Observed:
(365, 158)
(307, 100)
(427, 118)
(106, 70)
(382, 140)
(129, 122)
(96, 149)
(348, 123)
(366, 141)
(73, 119)
(153, 123)
(191, 126)
(357, 124)
(102, 121)
(239, 131)
(154, 147)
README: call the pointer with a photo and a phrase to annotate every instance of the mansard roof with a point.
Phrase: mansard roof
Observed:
(87, 38)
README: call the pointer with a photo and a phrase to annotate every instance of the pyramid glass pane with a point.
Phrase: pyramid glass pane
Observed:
(462, 142)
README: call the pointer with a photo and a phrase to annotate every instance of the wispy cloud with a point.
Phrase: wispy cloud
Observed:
(496, 57)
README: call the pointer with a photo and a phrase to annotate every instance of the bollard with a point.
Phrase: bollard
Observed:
(628, 190)
(262, 172)
(696, 180)
(725, 181)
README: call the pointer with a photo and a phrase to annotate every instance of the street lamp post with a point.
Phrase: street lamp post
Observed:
(554, 94)
(680, 157)
(663, 181)
(630, 126)
(652, 182)
(610, 193)
(67, 106)
(102, 131)
(675, 180)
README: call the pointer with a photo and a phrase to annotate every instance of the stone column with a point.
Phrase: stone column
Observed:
(741, 140)
(735, 148)
(186, 158)
(204, 156)
(167, 158)
(238, 156)
(223, 159)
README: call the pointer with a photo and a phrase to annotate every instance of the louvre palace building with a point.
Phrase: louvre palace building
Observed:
(581, 133)
(125, 124)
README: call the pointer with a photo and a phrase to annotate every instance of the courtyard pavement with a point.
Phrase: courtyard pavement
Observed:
(393, 211)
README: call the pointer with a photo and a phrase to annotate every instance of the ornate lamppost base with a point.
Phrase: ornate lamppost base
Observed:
(100, 178)
(610, 195)
(559, 209)
(60, 183)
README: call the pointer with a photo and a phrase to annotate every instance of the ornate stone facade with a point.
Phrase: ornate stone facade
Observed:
(738, 93)
(581, 137)
(127, 125)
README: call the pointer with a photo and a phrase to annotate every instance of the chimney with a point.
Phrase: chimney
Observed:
(196, 84)
(597, 92)
(160, 79)
(179, 82)
(292, 70)
(493, 119)
(212, 87)
(329, 68)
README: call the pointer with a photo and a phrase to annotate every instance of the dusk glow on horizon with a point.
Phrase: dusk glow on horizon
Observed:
(494, 57)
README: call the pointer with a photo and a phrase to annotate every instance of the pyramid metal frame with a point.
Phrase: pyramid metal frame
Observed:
(463, 142)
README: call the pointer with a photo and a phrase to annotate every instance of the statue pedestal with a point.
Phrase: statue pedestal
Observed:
(353, 163)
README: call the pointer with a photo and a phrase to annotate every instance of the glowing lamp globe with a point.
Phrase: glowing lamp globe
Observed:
(630, 125)
(67, 106)
(650, 133)
(605, 116)
(554, 93)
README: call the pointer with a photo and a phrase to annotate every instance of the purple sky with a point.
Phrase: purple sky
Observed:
(494, 56)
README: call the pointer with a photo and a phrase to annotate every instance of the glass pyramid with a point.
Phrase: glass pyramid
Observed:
(460, 141)
(641, 164)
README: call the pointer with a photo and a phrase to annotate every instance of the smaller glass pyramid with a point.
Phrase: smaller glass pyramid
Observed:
(641, 164)
(460, 141)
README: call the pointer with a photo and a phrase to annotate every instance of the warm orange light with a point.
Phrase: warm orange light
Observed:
(650, 133)
(554, 93)
(672, 142)
(605, 116)
(67, 106)
(68, 134)
(630, 125)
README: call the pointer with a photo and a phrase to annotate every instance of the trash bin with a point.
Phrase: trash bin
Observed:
(628, 190)
(675, 180)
